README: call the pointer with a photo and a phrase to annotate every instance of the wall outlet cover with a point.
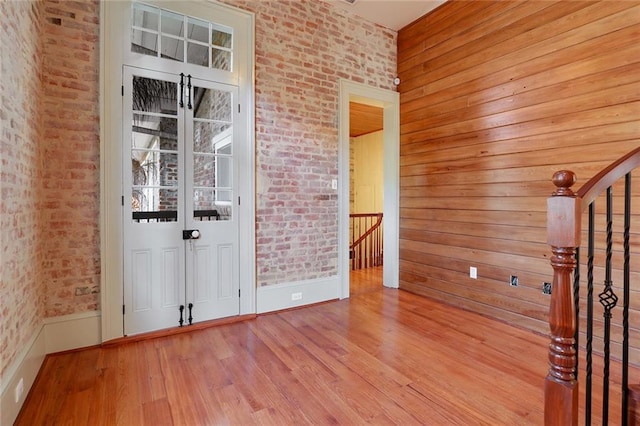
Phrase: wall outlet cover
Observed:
(19, 390)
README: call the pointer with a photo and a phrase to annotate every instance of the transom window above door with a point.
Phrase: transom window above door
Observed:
(172, 36)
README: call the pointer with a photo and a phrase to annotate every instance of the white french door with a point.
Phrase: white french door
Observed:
(180, 204)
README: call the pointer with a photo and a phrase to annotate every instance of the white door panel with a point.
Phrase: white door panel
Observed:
(154, 285)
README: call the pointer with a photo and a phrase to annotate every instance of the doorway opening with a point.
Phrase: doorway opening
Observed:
(366, 178)
(361, 97)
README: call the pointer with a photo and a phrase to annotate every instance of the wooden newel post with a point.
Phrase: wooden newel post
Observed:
(563, 235)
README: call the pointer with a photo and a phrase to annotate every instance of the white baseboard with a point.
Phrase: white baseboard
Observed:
(54, 335)
(280, 296)
(72, 331)
(25, 367)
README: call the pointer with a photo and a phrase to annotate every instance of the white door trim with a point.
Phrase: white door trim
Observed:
(113, 45)
(390, 102)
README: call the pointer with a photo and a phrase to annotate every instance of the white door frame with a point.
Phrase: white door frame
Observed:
(114, 16)
(390, 102)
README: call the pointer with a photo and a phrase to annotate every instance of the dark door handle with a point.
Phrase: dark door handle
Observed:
(189, 105)
(190, 234)
(181, 90)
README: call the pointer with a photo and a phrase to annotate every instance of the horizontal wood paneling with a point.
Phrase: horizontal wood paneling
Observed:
(495, 97)
(364, 119)
(482, 19)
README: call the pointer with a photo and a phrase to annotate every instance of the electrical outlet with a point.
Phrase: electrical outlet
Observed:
(19, 390)
(513, 281)
(296, 296)
(546, 288)
(473, 272)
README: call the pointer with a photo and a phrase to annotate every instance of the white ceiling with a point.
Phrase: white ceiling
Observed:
(393, 14)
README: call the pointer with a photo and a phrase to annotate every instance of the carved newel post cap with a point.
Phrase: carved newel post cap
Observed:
(564, 180)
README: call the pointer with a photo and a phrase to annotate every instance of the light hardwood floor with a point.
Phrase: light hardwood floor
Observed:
(382, 357)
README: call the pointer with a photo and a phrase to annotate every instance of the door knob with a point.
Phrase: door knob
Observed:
(190, 234)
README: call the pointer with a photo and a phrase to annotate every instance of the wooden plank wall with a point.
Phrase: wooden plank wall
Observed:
(496, 97)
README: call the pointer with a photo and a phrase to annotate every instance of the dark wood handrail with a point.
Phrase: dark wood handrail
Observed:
(608, 176)
(370, 230)
(564, 213)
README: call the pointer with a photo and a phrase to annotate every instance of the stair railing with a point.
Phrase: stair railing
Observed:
(366, 248)
(565, 209)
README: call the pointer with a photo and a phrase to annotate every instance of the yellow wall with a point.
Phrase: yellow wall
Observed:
(366, 173)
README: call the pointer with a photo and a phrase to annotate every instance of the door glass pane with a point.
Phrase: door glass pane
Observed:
(145, 16)
(198, 30)
(197, 54)
(220, 59)
(212, 154)
(221, 48)
(208, 207)
(207, 133)
(172, 48)
(212, 104)
(223, 178)
(144, 29)
(204, 171)
(154, 151)
(144, 42)
(221, 37)
(172, 23)
(155, 96)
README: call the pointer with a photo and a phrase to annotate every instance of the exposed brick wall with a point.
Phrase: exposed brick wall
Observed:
(21, 291)
(303, 48)
(50, 158)
(71, 172)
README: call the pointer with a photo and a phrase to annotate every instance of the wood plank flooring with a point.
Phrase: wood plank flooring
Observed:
(384, 356)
